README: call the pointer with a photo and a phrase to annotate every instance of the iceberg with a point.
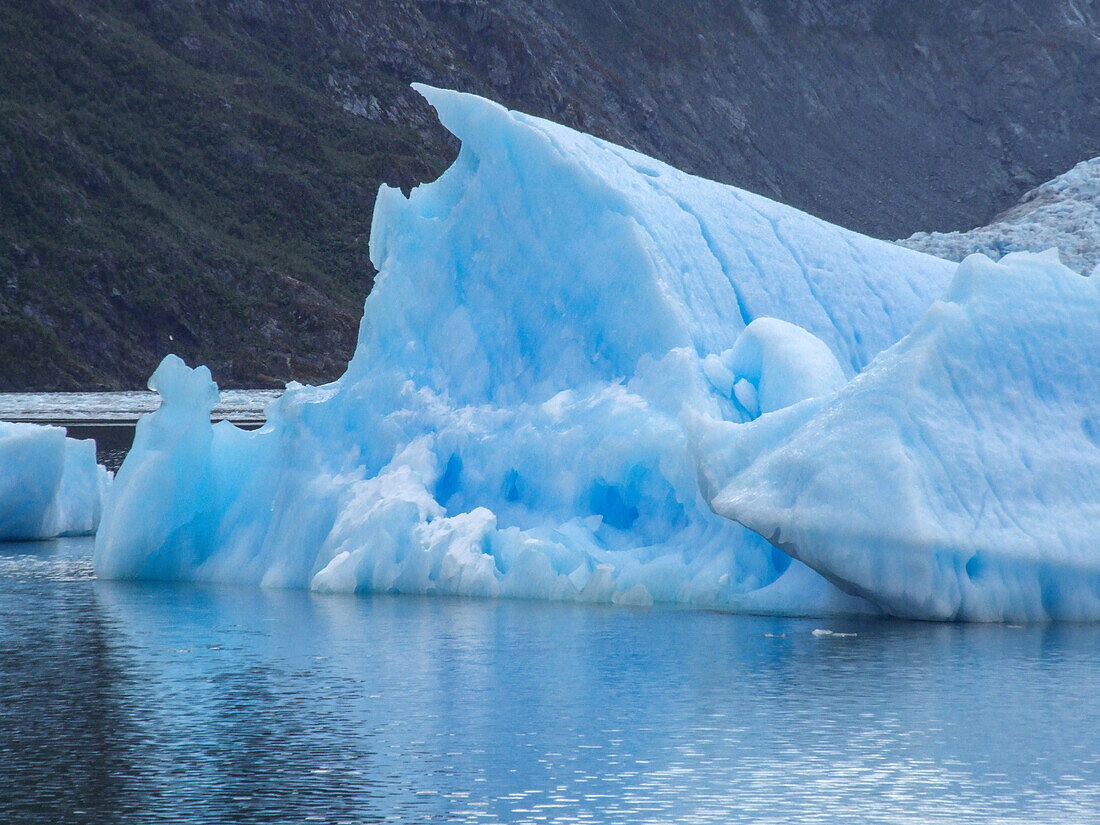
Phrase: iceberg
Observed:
(958, 476)
(549, 318)
(50, 485)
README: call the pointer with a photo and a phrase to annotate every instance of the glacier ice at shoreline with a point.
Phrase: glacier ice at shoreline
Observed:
(958, 476)
(548, 316)
(50, 485)
(1063, 213)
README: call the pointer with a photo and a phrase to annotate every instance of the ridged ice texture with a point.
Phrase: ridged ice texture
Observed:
(958, 477)
(510, 424)
(50, 485)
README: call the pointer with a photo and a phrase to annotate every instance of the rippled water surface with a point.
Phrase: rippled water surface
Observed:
(143, 703)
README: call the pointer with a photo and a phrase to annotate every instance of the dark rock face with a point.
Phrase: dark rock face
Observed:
(198, 177)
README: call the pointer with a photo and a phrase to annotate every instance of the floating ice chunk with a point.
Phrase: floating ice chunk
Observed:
(510, 424)
(82, 491)
(50, 485)
(958, 477)
(32, 458)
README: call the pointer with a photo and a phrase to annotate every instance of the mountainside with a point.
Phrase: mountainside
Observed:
(198, 177)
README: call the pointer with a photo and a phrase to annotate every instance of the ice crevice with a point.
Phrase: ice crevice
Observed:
(653, 179)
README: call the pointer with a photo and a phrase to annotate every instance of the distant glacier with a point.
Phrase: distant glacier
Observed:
(1062, 213)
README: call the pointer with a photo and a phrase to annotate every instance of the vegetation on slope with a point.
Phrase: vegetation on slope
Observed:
(165, 185)
(197, 176)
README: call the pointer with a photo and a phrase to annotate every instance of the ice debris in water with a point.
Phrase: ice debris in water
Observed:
(549, 318)
(50, 485)
(958, 476)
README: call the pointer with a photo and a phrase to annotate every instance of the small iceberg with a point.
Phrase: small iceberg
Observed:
(50, 485)
(823, 633)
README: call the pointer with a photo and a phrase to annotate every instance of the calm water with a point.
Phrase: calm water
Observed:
(141, 703)
(109, 417)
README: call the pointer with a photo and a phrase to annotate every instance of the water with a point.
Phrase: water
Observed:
(109, 417)
(143, 703)
(121, 407)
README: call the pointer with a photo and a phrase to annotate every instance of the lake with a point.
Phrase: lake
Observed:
(109, 417)
(178, 703)
(135, 703)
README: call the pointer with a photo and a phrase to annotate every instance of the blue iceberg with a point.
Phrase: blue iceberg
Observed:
(50, 485)
(958, 476)
(585, 375)
(550, 318)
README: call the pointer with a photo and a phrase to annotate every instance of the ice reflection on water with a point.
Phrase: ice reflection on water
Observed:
(137, 703)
